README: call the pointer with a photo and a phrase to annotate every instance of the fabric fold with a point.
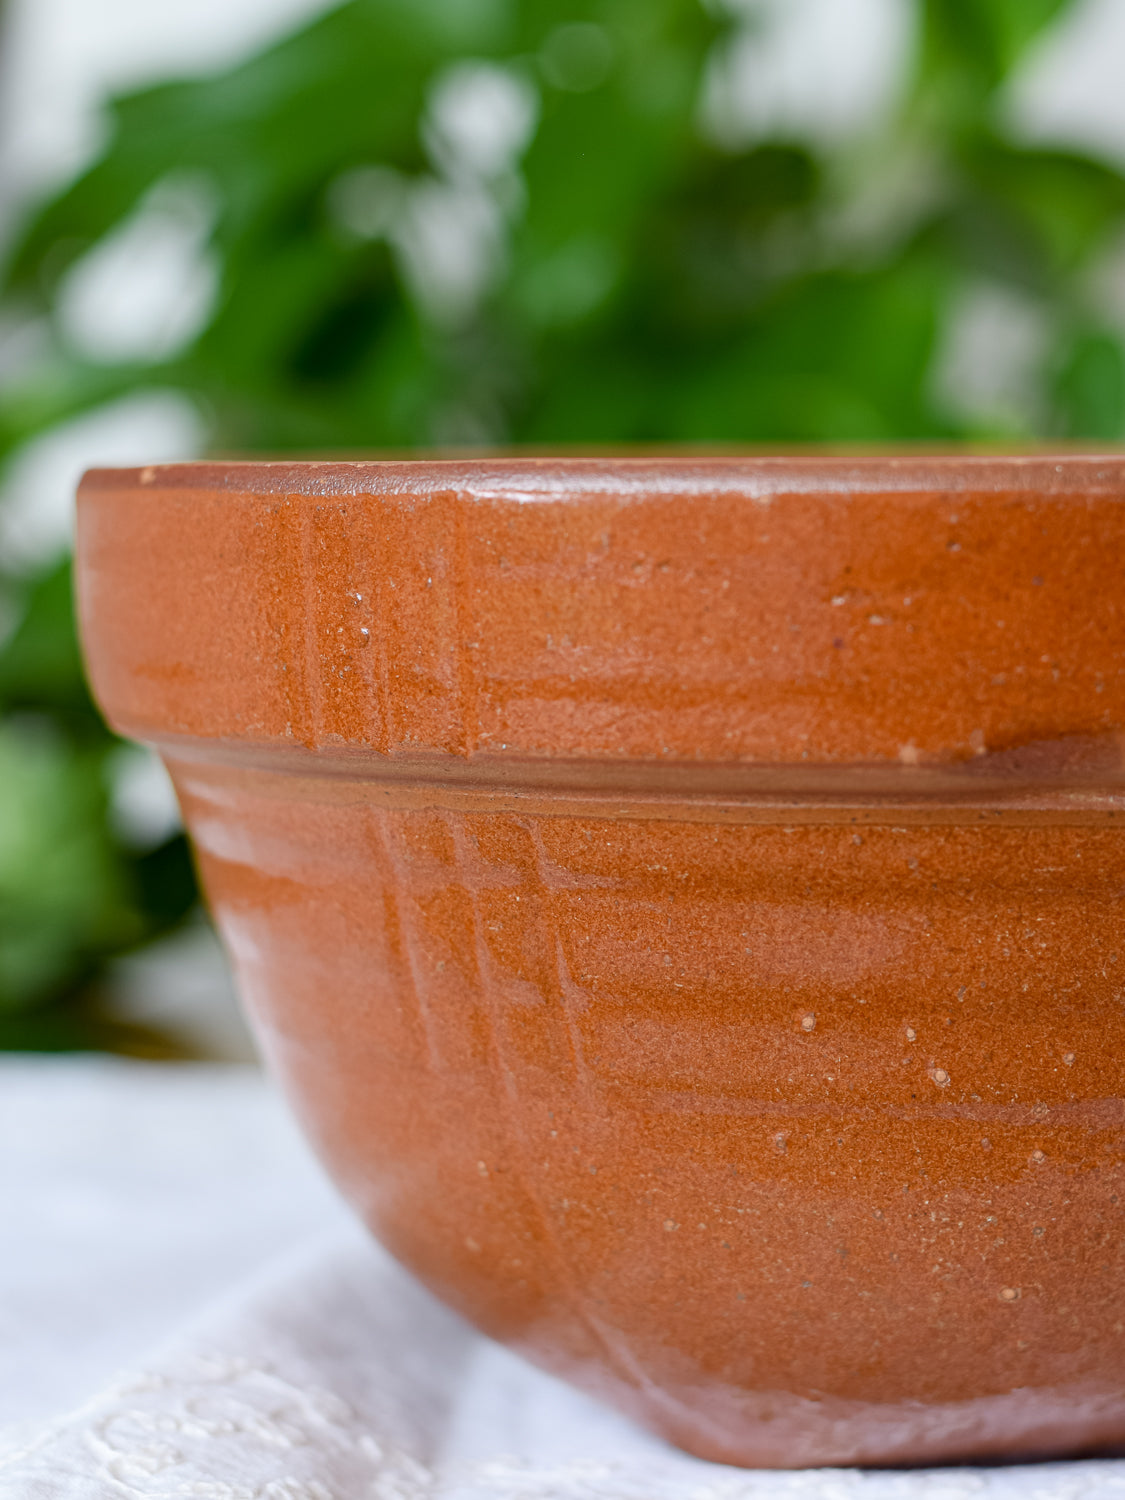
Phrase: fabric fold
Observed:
(332, 1375)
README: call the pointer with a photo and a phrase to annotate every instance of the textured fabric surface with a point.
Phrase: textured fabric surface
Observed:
(131, 1195)
(288, 1358)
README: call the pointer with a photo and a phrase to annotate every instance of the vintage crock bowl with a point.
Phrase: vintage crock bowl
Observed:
(683, 900)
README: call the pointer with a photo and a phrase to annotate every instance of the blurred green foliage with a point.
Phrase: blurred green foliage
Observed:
(394, 269)
(73, 891)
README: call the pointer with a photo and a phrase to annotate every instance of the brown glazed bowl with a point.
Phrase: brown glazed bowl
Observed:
(684, 901)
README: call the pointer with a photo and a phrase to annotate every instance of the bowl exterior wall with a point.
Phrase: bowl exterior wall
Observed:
(804, 1143)
(683, 899)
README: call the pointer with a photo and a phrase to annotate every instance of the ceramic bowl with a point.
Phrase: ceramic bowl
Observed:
(684, 901)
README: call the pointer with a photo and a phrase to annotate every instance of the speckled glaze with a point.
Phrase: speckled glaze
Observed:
(683, 899)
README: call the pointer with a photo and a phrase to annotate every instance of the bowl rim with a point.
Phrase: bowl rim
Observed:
(758, 475)
(946, 625)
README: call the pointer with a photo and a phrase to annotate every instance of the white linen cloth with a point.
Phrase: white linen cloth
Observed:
(323, 1373)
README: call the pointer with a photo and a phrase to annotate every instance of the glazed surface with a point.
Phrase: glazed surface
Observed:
(683, 901)
(911, 613)
(803, 1144)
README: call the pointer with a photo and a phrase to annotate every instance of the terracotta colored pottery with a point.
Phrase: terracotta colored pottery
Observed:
(684, 900)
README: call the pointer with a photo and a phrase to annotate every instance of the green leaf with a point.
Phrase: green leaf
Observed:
(1054, 209)
(834, 358)
(61, 895)
(348, 88)
(40, 664)
(1090, 388)
(970, 46)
